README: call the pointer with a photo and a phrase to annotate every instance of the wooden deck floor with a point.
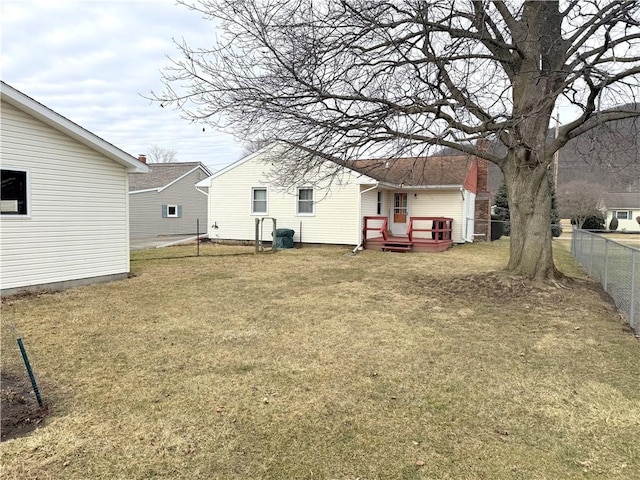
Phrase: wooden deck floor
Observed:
(403, 244)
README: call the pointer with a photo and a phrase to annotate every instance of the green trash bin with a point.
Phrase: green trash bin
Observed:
(284, 238)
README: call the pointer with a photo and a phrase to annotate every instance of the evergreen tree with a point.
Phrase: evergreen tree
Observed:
(502, 207)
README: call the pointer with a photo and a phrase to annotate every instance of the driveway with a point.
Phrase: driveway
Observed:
(142, 243)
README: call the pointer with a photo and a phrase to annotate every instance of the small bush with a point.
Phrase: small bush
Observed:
(613, 224)
(556, 230)
(593, 222)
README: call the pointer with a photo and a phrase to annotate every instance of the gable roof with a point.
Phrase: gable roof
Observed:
(162, 175)
(442, 171)
(39, 111)
(623, 200)
(417, 171)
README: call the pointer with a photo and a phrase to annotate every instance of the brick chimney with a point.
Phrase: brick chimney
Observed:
(142, 157)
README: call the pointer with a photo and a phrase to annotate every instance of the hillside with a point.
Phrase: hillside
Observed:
(607, 156)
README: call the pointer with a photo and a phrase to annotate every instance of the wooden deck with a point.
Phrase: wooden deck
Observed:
(377, 237)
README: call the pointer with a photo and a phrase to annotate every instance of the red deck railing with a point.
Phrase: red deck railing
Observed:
(420, 230)
(381, 224)
(439, 227)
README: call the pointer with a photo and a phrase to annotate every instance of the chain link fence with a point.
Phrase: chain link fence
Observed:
(616, 266)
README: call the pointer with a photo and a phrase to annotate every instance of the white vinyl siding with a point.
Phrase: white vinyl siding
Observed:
(77, 224)
(469, 210)
(437, 203)
(336, 216)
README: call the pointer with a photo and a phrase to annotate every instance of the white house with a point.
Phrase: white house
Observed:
(623, 206)
(371, 200)
(64, 206)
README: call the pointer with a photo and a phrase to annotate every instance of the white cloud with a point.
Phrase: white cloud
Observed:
(92, 60)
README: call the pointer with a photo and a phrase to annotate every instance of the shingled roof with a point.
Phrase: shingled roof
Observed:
(624, 200)
(162, 174)
(417, 171)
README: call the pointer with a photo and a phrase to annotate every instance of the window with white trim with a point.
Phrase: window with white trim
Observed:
(259, 201)
(379, 209)
(14, 192)
(623, 214)
(305, 201)
(171, 211)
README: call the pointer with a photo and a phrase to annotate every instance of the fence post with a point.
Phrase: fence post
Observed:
(591, 254)
(606, 263)
(635, 265)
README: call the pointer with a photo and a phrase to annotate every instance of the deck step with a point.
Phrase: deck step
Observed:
(396, 246)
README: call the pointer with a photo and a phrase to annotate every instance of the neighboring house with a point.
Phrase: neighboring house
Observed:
(625, 207)
(64, 206)
(165, 201)
(372, 201)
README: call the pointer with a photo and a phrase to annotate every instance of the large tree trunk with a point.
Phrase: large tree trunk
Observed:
(530, 211)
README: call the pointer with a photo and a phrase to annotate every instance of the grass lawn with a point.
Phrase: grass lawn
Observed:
(315, 364)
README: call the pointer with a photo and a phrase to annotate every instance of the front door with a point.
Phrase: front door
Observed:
(400, 214)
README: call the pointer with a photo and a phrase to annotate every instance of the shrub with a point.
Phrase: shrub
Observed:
(613, 224)
(556, 229)
(593, 222)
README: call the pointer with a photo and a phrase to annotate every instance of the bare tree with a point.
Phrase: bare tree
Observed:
(348, 79)
(157, 154)
(252, 146)
(579, 200)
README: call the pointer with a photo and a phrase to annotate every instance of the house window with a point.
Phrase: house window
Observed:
(305, 201)
(171, 211)
(13, 192)
(258, 201)
(623, 214)
(379, 209)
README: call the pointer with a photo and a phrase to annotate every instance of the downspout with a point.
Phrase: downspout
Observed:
(464, 217)
(206, 194)
(360, 216)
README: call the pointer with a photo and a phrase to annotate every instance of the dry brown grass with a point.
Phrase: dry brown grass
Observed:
(315, 364)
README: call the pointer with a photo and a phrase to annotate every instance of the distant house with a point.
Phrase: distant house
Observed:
(623, 206)
(64, 207)
(165, 201)
(411, 203)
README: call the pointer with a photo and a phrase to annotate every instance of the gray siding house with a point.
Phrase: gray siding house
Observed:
(165, 201)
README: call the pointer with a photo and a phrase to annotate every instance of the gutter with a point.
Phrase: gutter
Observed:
(420, 187)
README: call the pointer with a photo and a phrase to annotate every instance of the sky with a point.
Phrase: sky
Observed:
(92, 61)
